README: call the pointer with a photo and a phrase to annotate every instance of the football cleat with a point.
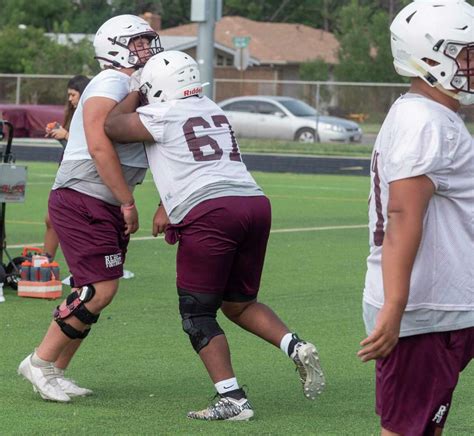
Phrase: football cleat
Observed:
(44, 380)
(69, 386)
(307, 363)
(226, 409)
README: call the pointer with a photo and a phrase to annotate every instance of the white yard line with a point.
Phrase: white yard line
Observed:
(295, 230)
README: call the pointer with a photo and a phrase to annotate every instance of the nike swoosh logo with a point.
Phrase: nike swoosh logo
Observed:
(227, 387)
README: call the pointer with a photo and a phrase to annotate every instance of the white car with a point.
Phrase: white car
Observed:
(286, 118)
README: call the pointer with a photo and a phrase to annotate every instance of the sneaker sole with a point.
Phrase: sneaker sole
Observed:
(315, 382)
(69, 394)
(245, 415)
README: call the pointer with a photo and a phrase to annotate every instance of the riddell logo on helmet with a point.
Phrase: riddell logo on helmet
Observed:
(193, 91)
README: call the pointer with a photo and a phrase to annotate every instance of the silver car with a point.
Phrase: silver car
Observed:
(286, 118)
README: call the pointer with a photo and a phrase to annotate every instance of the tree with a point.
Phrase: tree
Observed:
(355, 57)
(43, 14)
(382, 67)
(29, 51)
(317, 70)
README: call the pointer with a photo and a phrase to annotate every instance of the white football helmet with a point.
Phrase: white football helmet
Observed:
(112, 42)
(170, 75)
(438, 31)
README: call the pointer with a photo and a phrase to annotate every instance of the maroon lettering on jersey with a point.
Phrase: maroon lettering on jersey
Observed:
(379, 232)
(195, 143)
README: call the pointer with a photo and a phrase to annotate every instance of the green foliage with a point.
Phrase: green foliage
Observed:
(354, 36)
(364, 35)
(34, 53)
(360, 25)
(317, 70)
(87, 16)
(38, 13)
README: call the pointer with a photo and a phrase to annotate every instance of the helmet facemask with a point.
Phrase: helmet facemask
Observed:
(463, 79)
(138, 54)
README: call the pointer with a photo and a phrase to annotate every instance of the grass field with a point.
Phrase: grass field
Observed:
(139, 363)
(313, 149)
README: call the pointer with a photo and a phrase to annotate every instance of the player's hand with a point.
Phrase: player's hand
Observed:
(130, 216)
(135, 81)
(160, 221)
(59, 133)
(383, 339)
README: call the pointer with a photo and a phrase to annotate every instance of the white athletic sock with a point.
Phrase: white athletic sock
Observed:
(285, 342)
(227, 385)
(59, 371)
(37, 361)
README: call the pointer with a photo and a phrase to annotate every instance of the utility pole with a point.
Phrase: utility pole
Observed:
(206, 13)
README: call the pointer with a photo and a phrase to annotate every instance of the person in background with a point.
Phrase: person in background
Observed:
(418, 303)
(75, 88)
(221, 218)
(91, 205)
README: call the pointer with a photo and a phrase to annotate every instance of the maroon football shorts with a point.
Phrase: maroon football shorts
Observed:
(91, 235)
(222, 244)
(415, 383)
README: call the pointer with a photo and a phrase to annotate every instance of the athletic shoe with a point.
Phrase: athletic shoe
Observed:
(69, 386)
(307, 363)
(44, 380)
(226, 409)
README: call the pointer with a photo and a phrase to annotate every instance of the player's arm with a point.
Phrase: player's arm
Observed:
(124, 125)
(105, 157)
(408, 200)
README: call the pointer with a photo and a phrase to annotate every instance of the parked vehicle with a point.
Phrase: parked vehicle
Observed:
(286, 118)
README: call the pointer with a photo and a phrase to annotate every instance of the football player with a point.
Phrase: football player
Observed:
(218, 215)
(91, 204)
(419, 288)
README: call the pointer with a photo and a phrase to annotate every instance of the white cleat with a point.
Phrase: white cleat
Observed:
(44, 380)
(226, 409)
(309, 368)
(69, 386)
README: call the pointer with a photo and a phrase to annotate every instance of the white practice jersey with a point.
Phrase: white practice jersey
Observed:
(195, 147)
(111, 84)
(422, 137)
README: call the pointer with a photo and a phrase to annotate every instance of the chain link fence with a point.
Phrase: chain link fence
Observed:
(363, 102)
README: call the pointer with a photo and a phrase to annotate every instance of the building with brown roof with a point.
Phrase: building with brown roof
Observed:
(275, 50)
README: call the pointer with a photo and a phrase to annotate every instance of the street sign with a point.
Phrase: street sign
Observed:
(242, 58)
(241, 41)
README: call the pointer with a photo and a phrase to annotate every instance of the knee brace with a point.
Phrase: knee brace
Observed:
(198, 312)
(74, 306)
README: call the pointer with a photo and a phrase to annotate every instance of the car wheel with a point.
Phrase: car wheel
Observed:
(306, 135)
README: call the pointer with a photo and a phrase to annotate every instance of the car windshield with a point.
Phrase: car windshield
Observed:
(299, 108)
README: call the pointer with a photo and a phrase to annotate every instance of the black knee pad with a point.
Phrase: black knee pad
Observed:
(74, 306)
(198, 312)
(70, 331)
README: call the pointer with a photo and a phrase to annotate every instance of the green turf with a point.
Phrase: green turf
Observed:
(293, 147)
(140, 365)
